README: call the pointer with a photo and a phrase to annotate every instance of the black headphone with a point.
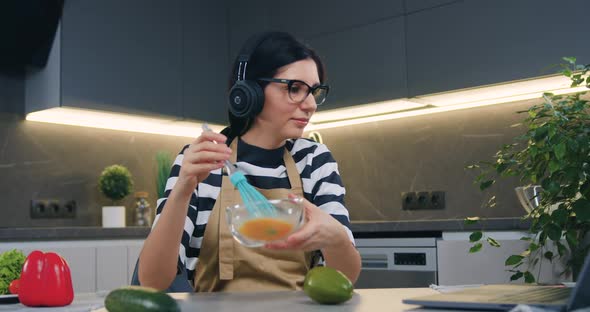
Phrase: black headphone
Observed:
(246, 97)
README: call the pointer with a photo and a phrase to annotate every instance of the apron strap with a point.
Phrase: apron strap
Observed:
(226, 241)
(294, 178)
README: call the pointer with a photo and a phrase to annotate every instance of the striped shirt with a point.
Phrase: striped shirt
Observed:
(264, 169)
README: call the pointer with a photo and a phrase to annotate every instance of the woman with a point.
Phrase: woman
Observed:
(277, 83)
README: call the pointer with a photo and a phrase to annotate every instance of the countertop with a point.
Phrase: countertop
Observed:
(364, 300)
(72, 233)
(433, 227)
(420, 228)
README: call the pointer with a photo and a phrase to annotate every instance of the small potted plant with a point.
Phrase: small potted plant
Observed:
(552, 158)
(115, 183)
(163, 165)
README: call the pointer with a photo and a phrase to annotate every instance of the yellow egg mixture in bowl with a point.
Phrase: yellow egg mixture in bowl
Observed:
(259, 223)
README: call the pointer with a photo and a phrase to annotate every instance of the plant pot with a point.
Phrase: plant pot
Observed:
(113, 216)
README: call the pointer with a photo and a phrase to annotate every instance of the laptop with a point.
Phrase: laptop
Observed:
(506, 297)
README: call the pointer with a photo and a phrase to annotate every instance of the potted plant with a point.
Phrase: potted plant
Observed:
(115, 183)
(553, 157)
(163, 165)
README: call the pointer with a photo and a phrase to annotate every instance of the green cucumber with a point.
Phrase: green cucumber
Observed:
(139, 299)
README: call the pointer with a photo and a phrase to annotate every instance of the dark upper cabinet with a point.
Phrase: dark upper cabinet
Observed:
(361, 43)
(471, 43)
(412, 6)
(331, 16)
(205, 70)
(365, 64)
(122, 55)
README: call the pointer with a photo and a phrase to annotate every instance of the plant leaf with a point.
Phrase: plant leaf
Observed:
(559, 216)
(553, 231)
(475, 236)
(582, 209)
(484, 185)
(514, 259)
(548, 255)
(554, 165)
(516, 276)
(493, 242)
(559, 150)
(585, 188)
(475, 248)
(528, 277)
(570, 59)
(571, 238)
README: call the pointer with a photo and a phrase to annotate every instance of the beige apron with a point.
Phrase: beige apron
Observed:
(226, 265)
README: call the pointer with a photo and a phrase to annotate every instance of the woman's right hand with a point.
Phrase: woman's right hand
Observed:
(202, 156)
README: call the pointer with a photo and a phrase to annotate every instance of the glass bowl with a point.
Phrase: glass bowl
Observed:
(255, 230)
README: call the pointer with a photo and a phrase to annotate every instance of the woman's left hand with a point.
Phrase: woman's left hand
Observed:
(320, 231)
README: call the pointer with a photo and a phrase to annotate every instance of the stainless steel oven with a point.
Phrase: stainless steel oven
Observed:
(397, 262)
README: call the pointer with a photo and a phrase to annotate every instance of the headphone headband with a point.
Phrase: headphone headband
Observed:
(244, 57)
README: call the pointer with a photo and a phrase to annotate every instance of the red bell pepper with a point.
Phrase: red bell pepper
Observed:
(45, 280)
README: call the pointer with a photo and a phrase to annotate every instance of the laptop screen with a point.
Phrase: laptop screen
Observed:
(580, 297)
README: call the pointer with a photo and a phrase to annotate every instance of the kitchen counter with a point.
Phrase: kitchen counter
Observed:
(359, 228)
(431, 228)
(72, 233)
(364, 300)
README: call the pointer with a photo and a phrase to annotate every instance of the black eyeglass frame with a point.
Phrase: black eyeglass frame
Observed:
(290, 82)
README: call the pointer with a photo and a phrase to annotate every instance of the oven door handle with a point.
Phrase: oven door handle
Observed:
(374, 261)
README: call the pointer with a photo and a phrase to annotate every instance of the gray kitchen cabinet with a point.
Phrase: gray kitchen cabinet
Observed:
(111, 267)
(82, 261)
(471, 43)
(122, 56)
(362, 44)
(94, 264)
(365, 64)
(133, 252)
(413, 6)
(205, 66)
(456, 266)
(139, 57)
(331, 16)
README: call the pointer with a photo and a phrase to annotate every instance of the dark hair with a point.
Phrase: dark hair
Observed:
(275, 50)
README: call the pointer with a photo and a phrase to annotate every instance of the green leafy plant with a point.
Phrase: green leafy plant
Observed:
(554, 152)
(11, 264)
(163, 165)
(115, 182)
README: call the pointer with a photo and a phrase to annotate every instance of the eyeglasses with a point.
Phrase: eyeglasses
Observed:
(299, 90)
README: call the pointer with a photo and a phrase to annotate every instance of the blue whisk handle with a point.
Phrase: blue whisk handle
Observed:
(236, 178)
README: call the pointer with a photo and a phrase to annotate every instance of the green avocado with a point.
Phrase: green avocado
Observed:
(326, 285)
(137, 298)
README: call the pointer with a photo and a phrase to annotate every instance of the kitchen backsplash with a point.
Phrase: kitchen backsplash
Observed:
(380, 160)
(377, 161)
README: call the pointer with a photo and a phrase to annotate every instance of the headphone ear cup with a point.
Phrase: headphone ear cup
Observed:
(246, 99)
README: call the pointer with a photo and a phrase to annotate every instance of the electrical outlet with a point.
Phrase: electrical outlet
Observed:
(409, 201)
(53, 208)
(423, 200)
(437, 199)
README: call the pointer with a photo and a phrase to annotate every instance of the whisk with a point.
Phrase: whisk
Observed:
(256, 204)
